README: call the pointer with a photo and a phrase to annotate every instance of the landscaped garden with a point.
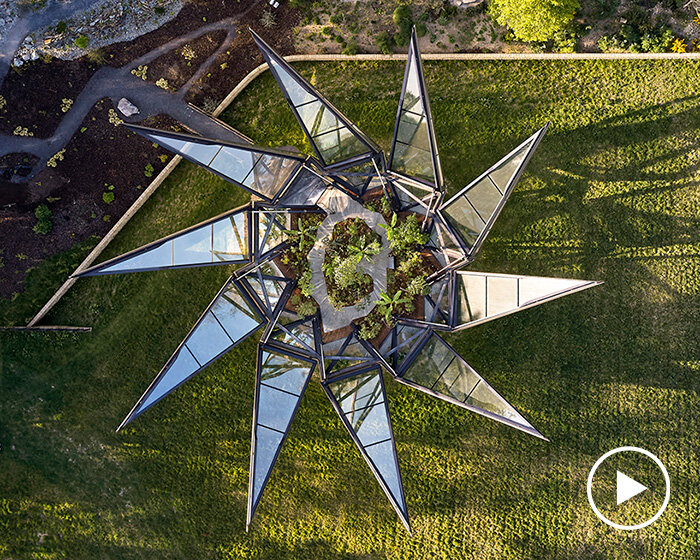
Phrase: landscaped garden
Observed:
(611, 194)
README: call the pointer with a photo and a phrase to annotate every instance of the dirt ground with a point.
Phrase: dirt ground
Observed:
(74, 189)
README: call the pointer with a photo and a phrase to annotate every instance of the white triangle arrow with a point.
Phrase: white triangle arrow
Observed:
(627, 488)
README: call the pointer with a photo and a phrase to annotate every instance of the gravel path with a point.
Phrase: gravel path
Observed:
(150, 99)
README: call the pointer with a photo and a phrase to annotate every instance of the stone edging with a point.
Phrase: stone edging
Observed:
(331, 58)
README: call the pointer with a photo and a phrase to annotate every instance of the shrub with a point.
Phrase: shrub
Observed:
(54, 159)
(43, 215)
(384, 42)
(163, 83)
(66, 104)
(188, 53)
(82, 41)
(159, 10)
(61, 27)
(148, 172)
(370, 328)
(97, 56)
(141, 71)
(351, 47)
(335, 19)
(114, 118)
(268, 19)
(108, 197)
(421, 29)
(403, 22)
(534, 20)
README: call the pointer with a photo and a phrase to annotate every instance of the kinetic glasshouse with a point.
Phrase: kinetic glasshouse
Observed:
(351, 263)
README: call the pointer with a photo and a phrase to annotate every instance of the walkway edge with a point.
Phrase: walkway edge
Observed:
(245, 82)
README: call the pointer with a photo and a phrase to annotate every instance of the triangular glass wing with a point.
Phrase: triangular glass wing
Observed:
(221, 240)
(399, 343)
(282, 379)
(261, 171)
(472, 211)
(304, 189)
(229, 319)
(301, 336)
(414, 150)
(482, 297)
(272, 225)
(334, 138)
(360, 401)
(438, 370)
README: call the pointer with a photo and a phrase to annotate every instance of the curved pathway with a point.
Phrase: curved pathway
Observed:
(150, 99)
(28, 23)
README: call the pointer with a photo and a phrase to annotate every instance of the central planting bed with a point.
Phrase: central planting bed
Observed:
(590, 371)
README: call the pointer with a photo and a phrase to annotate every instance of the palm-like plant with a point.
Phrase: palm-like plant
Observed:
(388, 304)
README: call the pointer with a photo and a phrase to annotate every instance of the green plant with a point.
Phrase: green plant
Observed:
(370, 327)
(384, 42)
(108, 197)
(148, 171)
(404, 23)
(421, 29)
(159, 10)
(43, 215)
(54, 159)
(22, 131)
(3, 102)
(417, 286)
(534, 20)
(188, 53)
(388, 305)
(268, 19)
(141, 71)
(305, 306)
(351, 48)
(61, 27)
(162, 83)
(81, 41)
(66, 104)
(114, 118)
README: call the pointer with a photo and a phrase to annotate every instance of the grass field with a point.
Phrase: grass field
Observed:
(612, 194)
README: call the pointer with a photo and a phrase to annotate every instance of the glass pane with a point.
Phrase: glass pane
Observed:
(193, 247)
(484, 397)
(501, 293)
(306, 189)
(275, 408)
(235, 314)
(180, 369)
(412, 96)
(413, 161)
(208, 339)
(199, 152)
(382, 457)
(231, 238)
(270, 174)
(484, 196)
(533, 288)
(503, 174)
(370, 424)
(339, 145)
(465, 220)
(457, 381)
(413, 130)
(317, 118)
(432, 360)
(471, 297)
(267, 442)
(157, 257)
(235, 163)
(270, 232)
(358, 392)
(284, 372)
(294, 90)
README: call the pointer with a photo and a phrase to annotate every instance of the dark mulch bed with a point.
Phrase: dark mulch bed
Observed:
(34, 94)
(104, 154)
(174, 67)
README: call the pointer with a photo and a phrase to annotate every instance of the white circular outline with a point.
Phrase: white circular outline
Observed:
(589, 491)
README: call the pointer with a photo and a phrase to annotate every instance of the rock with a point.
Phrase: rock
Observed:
(126, 107)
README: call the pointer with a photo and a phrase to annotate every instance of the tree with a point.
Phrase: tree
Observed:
(534, 20)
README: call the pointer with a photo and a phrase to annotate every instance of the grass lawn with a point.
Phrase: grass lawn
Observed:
(612, 194)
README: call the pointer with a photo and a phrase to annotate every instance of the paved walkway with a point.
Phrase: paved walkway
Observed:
(339, 207)
(150, 99)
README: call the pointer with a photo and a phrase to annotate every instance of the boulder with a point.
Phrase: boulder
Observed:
(127, 108)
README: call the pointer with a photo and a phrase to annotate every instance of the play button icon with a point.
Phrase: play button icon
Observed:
(627, 488)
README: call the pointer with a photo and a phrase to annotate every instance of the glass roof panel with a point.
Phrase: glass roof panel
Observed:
(237, 317)
(291, 86)
(485, 398)
(181, 368)
(412, 161)
(270, 174)
(234, 163)
(317, 118)
(503, 174)
(338, 145)
(283, 372)
(208, 339)
(200, 151)
(159, 256)
(193, 247)
(275, 407)
(358, 392)
(267, 442)
(231, 238)
(382, 456)
(501, 294)
(305, 189)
